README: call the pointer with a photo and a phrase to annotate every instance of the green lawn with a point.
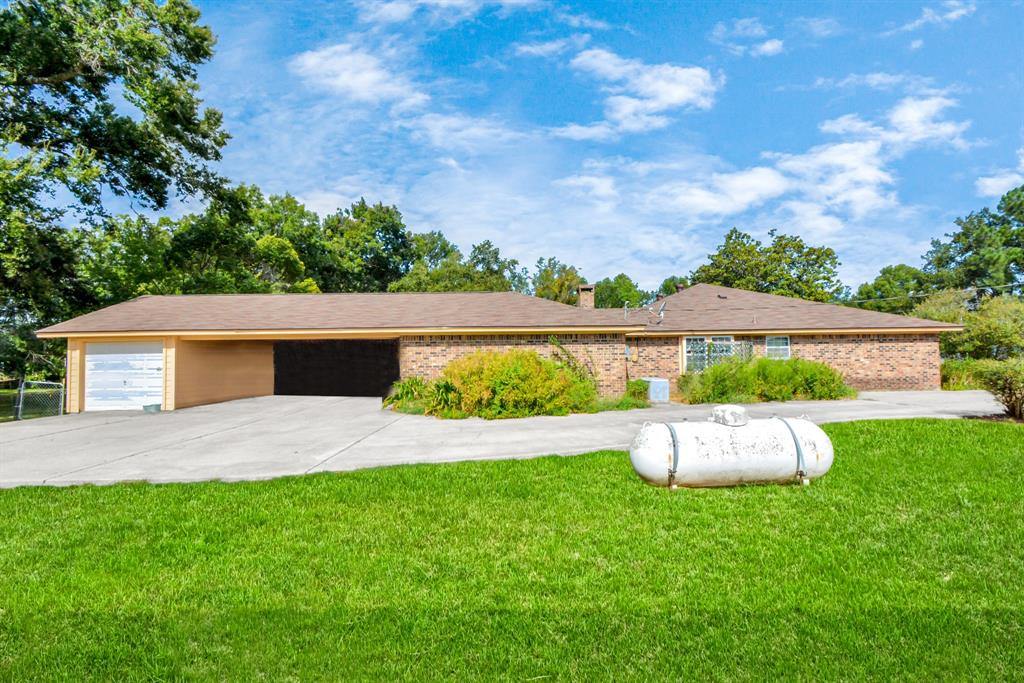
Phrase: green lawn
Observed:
(905, 562)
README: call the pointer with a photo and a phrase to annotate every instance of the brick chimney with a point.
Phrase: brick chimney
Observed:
(680, 287)
(586, 296)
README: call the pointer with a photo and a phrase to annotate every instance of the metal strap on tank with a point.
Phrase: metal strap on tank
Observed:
(675, 454)
(801, 469)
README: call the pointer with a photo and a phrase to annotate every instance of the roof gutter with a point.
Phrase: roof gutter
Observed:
(799, 331)
(370, 333)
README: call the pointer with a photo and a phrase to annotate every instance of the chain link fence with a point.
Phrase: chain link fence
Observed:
(25, 399)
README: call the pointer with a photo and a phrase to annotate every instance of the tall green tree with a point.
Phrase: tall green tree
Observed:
(95, 96)
(446, 270)
(555, 280)
(64, 66)
(619, 291)
(670, 284)
(987, 249)
(373, 245)
(786, 266)
(896, 289)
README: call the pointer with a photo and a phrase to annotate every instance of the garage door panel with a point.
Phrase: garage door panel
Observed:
(123, 376)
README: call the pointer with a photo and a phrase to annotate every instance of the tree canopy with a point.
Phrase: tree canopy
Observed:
(786, 266)
(985, 252)
(619, 291)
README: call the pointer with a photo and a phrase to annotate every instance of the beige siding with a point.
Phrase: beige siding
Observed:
(75, 376)
(214, 371)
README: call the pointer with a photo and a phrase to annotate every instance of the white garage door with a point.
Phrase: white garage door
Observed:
(123, 376)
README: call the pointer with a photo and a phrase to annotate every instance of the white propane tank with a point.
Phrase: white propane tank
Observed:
(731, 449)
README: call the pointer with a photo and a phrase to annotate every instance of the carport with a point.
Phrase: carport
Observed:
(335, 367)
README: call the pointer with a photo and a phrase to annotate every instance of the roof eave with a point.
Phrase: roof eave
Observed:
(803, 331)
(47, 333)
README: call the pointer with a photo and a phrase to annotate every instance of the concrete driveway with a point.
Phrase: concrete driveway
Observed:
(274, 436)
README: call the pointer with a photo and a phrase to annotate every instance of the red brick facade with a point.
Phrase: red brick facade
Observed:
(866, 361)
(877, 361)
(653, 357)
(603, 353)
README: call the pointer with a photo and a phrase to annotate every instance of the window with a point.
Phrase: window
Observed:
(776, 347)
(702, 352)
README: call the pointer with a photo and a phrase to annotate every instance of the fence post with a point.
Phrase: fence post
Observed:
(21, 400)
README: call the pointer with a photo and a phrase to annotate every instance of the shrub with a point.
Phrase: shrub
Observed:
(1005, 379)
(637, 390)
(958, 374)
(406, 390)
(515, 383)
(736, 380)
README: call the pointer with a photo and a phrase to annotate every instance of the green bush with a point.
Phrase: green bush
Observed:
(737, 380)
(1005, 379)
(958, 374)
(515, 383)
(637, 390)
(407, 390)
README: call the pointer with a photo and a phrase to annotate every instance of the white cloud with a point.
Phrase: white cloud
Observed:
(819, 27)
(640, 94)
(1002, 181)
(357, 74)
(397, 11)
(722, 194)
(744, 36)
(913, 121)
(749, 27)
(767, 49)
(915, 45)
(580, 20)
(551, 48)
(947, 13)
(458, 132)
(880, 80)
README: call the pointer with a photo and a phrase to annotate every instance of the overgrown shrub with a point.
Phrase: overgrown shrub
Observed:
(958, 374)
(637, 390)
(406, 390)
(737, 380)
(515, 383)
(1005, 379)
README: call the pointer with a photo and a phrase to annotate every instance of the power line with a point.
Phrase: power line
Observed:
(914, 295)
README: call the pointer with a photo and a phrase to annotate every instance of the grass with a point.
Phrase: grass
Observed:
(904, 562)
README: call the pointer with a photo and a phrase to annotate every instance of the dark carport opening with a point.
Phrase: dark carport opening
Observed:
(335, 368)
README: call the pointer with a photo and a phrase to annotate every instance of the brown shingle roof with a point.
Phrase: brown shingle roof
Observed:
(710, 308)
(278, 312)
(701, 308)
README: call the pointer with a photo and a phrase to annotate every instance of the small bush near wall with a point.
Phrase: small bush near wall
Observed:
(515, 383)
(763, 379)
(958, 374)
(1005, 379)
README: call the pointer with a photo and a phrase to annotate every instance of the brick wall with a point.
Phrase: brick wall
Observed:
(866, 361)
(603, 353)
(877, 361)
(653, 357)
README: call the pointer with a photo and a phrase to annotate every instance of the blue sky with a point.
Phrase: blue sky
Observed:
(630, 136)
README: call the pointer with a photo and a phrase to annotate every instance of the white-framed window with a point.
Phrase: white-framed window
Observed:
(701, 352)
(776, 347)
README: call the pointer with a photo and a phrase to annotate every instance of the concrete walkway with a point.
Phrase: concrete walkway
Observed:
(274, 436)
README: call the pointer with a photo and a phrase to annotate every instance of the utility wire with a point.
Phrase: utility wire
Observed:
(912, 295)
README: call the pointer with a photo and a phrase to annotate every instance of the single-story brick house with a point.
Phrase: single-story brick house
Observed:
(180, 351)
